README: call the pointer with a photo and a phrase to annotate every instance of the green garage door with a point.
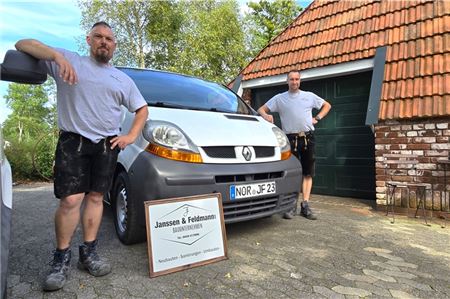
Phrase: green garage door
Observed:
(345, 163)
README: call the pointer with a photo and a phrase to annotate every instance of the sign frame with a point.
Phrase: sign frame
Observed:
(179, 203)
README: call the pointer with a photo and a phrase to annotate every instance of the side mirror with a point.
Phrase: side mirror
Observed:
(20, 67)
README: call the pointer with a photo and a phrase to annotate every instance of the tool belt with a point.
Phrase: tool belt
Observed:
(294, 137)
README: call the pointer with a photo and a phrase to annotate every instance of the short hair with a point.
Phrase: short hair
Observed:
(102, 23)
(293, 71)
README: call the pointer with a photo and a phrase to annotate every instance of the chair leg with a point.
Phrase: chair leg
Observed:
(390, 202)
(392, 206)
(420, 194)
(423, 197)
(417, 205)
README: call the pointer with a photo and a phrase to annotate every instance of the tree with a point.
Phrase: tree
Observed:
(29, 116)
(213, 38)
(267, 19)
(131, 21)
(30, 128)
(203, 38)
(166, 34)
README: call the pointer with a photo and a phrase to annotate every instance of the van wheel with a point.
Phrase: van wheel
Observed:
(125, 212)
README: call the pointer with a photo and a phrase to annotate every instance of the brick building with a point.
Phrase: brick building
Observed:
(385, 68)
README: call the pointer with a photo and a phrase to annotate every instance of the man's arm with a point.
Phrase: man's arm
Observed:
(264, 110)
(326, 107)
(136, 128)
(41, 51)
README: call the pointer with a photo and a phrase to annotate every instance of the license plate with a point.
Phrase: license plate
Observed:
(252, 190)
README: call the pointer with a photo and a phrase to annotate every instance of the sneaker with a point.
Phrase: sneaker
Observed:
(90, 261)
(59, 271)
(306, 212)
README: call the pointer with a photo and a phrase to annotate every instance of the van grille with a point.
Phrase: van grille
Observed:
(224, 152)
(227, 152)
(242, 209)
(248, 177)
(264, 151)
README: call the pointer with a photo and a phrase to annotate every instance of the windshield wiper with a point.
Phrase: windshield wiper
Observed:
(221, 110)
(174, 105)
(166, 105)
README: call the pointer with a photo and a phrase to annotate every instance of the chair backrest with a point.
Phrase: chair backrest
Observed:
(399, 164)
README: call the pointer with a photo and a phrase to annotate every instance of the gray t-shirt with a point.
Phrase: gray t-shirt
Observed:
(92, 107)
(295, 110)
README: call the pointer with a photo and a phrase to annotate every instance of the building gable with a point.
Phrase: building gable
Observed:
(416, 35)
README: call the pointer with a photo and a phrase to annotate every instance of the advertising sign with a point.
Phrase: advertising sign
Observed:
(184, 232)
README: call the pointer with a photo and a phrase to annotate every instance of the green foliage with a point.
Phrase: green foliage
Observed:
(267, 19)
(19, 155)
(165, 33)
(129, 19)
(203, 38)
(43, 155)
(33, 118)
(28, 111)
(213, 41)
(32, 160)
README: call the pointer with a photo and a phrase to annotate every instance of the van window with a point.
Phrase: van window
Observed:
(180, 91)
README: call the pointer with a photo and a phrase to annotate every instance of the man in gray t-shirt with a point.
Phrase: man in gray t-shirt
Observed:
(295, 108)
(90, 94)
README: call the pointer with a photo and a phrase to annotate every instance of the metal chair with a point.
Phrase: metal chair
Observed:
(404, 165)
(420, 189)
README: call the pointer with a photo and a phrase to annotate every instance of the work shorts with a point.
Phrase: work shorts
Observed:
(82, 166)
(303, 147)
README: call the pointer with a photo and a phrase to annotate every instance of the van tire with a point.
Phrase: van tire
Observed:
(125, 212)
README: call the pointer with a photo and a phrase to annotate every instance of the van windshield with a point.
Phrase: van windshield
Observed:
(177, 91)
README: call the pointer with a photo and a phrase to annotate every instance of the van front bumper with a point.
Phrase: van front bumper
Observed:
(153, 178)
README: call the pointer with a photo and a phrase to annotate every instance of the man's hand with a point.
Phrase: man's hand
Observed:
(122, 141)
(41, 51)
(138, 123)
(66, 70)
(268, 117)
(264, 111)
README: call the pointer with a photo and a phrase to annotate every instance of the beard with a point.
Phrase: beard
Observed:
(102, 56)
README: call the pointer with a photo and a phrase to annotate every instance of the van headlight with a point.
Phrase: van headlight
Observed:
(168, 141)
(283, 143)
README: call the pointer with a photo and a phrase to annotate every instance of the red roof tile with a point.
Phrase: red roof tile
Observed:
(416, 34)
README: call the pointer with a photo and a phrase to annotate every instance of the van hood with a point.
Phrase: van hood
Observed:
(207, 128)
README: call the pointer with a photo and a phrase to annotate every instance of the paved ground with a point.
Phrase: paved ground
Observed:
(350, 252)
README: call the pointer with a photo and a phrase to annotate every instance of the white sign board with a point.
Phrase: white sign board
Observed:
(184, 232)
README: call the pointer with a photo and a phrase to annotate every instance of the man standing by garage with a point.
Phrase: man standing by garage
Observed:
(295, 108)
(90, 93)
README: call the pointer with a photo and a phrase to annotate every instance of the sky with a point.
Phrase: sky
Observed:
(53, 22)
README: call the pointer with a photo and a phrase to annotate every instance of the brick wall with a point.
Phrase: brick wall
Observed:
(429, 139)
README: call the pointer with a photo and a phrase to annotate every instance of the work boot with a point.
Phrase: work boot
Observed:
(306, 212)
(90, 261)
(290, 214)
(59, 272)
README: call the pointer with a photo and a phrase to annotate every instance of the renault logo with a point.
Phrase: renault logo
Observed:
(246, 153)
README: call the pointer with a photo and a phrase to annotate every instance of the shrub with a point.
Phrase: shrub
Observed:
(32, 160)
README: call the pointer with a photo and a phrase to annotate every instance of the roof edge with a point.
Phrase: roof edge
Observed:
(340, 69)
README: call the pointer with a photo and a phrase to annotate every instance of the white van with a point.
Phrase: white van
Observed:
(200, 138)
